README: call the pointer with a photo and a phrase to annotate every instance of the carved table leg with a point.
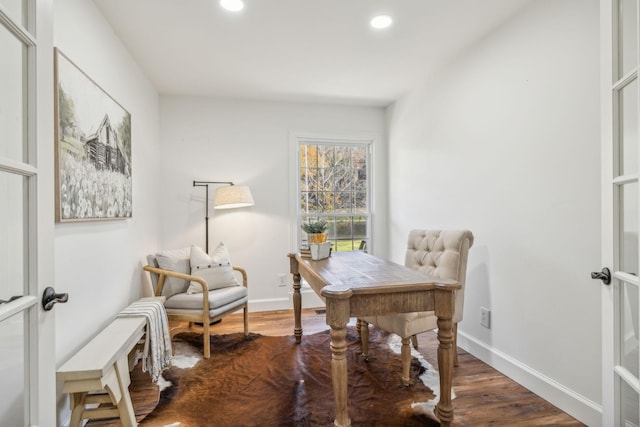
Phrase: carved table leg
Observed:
(297, 298)
(444, 312)
(337, 318)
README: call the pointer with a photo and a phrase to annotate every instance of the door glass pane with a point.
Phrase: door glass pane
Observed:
(627, 36)
(630, 401)
(629, 327)
(13, 235)
(16, 9)
(12, 370)
(628, 128)
(13, 99)
(629, 228)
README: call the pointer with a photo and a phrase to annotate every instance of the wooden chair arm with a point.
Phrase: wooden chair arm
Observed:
(162, 273)
(244, 275)
(171, 273)
(161, 276)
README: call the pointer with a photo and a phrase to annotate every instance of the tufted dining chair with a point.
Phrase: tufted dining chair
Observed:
(439, 253)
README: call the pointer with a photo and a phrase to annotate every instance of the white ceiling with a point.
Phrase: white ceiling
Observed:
(304, 50)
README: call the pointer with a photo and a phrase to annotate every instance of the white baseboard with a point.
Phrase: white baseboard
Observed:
(270, 304)
(574, 404)
(309, 300)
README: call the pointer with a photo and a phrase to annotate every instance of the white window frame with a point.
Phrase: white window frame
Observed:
(376, 235)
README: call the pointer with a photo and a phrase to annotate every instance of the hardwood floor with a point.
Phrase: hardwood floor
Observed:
(484, 397)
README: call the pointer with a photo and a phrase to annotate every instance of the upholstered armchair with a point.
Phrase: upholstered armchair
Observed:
(438, 253)
(199, 288)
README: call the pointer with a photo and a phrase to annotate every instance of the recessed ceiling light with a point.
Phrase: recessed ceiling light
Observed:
(232, 5)
(381, 21)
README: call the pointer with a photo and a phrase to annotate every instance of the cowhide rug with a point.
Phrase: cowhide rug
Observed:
(272, 381)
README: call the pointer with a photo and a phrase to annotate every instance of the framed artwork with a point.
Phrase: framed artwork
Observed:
(93, 148)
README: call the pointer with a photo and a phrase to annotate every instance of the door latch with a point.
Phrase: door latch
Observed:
(15, 297)
(604, 275)
(49, 298)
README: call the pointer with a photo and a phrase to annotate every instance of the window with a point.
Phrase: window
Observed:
(333, 186)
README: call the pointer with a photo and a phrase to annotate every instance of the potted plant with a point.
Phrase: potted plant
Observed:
(316, 230)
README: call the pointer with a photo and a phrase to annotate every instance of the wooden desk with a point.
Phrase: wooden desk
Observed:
(356, 284)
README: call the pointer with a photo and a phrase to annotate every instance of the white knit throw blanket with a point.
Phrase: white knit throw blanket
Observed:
(157, 343)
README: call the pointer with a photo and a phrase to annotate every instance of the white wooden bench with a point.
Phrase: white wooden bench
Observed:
(102, 366)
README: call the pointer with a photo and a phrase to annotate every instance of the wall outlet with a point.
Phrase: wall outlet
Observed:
(485, 317)
(283, 279)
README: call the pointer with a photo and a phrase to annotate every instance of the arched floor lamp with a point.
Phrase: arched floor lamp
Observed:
(229, 196)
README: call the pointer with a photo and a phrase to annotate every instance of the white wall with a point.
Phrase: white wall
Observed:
(97, 263)
(246, 142)
(504, 141)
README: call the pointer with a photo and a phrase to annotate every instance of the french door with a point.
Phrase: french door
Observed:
(620, 211)
(26, 213)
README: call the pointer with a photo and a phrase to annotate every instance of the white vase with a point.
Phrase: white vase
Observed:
(320, 250)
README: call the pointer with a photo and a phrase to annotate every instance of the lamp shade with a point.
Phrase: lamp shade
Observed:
(232, 196)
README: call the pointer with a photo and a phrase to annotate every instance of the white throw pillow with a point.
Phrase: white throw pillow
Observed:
(216, 269)
(173, 285)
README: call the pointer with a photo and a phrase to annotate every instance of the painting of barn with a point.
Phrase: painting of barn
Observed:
(104, 150)
(93, 149)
